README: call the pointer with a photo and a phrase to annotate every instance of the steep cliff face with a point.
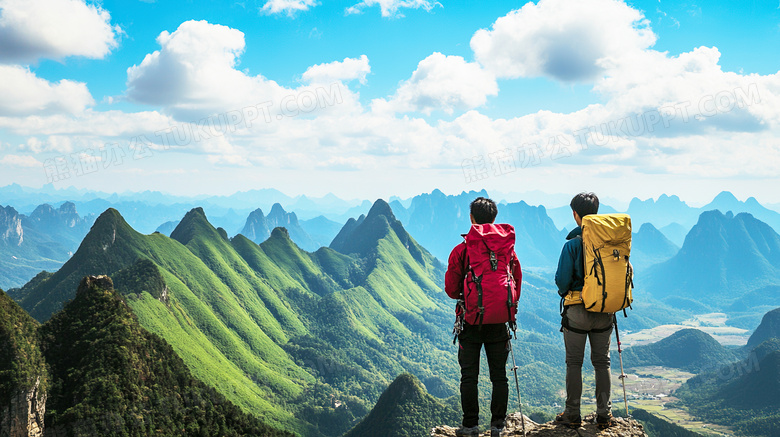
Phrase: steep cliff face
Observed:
(11, 226)
(622, 428)
(23, 378)
(23, 415)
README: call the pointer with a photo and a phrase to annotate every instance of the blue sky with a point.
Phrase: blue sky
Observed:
(411, 95)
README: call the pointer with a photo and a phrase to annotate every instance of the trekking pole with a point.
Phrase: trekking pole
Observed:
(517, 384)
(622, 374)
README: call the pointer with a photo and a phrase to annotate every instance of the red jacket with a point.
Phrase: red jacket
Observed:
(455, 278)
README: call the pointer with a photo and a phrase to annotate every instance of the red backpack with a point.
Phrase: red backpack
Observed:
(490, 292)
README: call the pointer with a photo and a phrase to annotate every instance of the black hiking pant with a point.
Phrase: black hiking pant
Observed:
(495, 338)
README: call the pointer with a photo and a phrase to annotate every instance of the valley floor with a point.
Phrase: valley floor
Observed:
(712, 323)
(649, 388)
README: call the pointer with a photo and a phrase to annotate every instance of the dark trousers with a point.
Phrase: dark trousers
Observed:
(495, 338)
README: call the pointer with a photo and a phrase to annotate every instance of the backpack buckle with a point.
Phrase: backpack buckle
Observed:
(493, 261)
(616, 254)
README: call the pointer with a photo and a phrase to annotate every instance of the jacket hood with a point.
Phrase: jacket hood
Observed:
(574, 233)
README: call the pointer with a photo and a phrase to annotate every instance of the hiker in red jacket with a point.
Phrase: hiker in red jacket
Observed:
(484, 274)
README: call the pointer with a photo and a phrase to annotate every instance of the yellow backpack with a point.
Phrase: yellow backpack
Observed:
(609, 277)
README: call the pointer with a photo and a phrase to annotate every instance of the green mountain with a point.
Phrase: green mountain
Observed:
(109, 376)
(405, 409)
(744, 394)
(768, 329)
(277, 330)
(724, 257)
(687, 349)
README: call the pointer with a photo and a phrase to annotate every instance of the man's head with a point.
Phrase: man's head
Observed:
(584, 204)
(483, 210)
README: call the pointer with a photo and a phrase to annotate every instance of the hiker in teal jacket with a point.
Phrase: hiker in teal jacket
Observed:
(579, 325)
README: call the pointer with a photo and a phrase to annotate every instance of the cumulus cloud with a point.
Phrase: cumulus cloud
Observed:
(390, 8)
(289, 7)
(194, 75)
(23, 93)
(32, 29)
(443, 83)
(346, 70)
(562, 39)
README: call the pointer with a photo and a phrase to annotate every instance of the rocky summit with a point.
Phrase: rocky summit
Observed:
(621, 428)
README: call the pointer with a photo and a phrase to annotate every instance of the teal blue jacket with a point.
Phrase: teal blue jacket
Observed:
(571, 271)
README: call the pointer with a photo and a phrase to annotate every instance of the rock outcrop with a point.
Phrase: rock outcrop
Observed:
(621, 428)
(11, 226)
(23, 416)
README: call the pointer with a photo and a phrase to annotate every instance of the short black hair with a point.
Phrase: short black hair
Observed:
(483, 210)
(585, 204)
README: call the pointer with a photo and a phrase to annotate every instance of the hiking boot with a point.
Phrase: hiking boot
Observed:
(605, 422)
(464, 431)
(562, 419)
(496, 431)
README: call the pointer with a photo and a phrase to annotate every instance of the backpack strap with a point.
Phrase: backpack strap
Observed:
(509, 279)
(478, 283)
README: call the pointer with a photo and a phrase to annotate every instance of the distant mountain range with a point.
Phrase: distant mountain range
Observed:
(724, 257)
(437, 222)
(258, 227)
(44, 240)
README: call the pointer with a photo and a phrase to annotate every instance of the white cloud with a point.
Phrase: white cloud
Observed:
(23, 93)
(562, 39)
(194, 75)
(346, 70)
(443, 83)
(25, 161)
(390, 8)
(289, 7)
(32, 29)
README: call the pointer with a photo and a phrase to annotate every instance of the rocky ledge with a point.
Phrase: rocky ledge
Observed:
(622, 428)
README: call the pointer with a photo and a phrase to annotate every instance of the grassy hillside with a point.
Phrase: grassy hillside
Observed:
(276, 329)
(112, 377)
